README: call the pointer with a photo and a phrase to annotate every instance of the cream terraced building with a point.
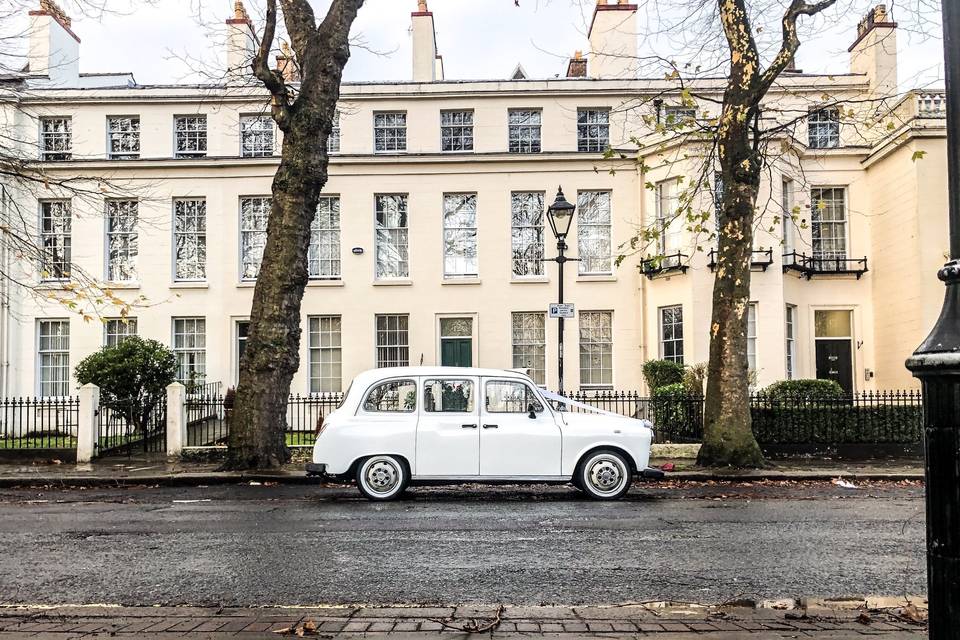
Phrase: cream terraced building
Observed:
(428, 244)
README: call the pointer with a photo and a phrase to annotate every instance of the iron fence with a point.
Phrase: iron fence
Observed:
(39, 423)
(208, 423)
(872, 417)
(122, 430)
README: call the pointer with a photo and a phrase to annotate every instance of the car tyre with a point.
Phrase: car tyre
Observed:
(381, 478)
(604, 475)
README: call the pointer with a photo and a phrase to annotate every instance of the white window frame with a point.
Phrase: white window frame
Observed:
(752, 336)
(393, 125)
(320, 352)
(524, 349)
(130, 239)
(54, 240)
(787, 225)
(589, 253)
(64, 135)
(248, 233)
(198, 232)
(661, 333)
(457, 134)
(603, 348)
(395, 237)
(402, 342)
(669, 237)
(532, 124)
(265, 133)
(116, 330)
(790, 336)
(192, 137)
(823, 128)
(128, 140)
(593, 129)
(183, 353)
(459, 266)
(237, 341)
(333, 140)
(60, 385)
(533, 263)
(677, 114)
(325, 232)
(817, 225)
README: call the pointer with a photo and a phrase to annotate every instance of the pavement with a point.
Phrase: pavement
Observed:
(113, 472)
(886, 618)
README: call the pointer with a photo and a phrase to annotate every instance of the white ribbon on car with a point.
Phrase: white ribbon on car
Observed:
(556, 397)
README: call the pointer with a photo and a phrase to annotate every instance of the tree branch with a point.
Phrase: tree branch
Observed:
(272, 80)
(791, 42)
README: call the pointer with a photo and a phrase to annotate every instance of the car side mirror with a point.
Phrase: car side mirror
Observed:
(532, 409)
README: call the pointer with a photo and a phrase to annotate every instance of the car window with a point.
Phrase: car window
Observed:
(455, 396)
(511, 397)
(393, 396)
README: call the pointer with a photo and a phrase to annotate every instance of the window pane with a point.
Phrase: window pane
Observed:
(393, 396)
(392, 258)
(596, 348)
(593, 232)
(189, 346)
(460, 235)
(832, 324)
(254, 214)
(53, 358)
(593, 130)
(323, 256)
(325, 353)
(190, 239)
(122, 240)
(392, 341)
(453, 396)
(527, 233)
(55, 239)
(191, 136)
(530, 344)
(671, 333)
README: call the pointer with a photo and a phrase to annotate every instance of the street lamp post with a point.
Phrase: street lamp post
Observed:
(560, 215)
(936, 363)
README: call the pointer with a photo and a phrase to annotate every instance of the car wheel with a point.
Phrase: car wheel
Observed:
(604, 475)
(382, 477)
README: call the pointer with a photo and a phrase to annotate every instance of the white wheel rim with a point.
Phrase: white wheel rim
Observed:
(381, 476)
(605, 475)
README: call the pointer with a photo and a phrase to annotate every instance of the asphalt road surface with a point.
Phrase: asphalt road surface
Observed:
(258, 545)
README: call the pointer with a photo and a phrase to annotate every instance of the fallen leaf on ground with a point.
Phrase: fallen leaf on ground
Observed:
(911, 613)
(864, 618)
(667, 466)
(843, 484)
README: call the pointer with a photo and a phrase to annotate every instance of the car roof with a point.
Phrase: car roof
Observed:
(372, 375)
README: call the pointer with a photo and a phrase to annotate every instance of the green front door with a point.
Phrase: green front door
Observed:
(456, 352)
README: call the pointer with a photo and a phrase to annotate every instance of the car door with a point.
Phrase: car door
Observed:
(512, 443)
(448, 432)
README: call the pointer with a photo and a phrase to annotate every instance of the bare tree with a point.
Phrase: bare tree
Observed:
(304, 112)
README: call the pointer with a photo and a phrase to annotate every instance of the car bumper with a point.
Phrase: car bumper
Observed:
(314, 469)
(651, 474)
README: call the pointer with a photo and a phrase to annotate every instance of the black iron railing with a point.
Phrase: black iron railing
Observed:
(810, 266)
(121, 431)
(675, 262)
(760, 260)
(39, 423)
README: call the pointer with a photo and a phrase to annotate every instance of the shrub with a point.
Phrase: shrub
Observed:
(838, 424)
(695, 379)
(677, 415)
(660, 373)
(132, 375)
(803, 390)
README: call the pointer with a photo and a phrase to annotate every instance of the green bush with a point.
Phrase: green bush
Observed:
(660, 373)
(837, 423)
(803, 390)
(132, 375)
(677, 415)
(695, 379)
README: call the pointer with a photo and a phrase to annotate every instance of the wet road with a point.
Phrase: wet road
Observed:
(256, 545)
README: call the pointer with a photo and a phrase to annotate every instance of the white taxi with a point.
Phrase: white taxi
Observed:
(432, 425)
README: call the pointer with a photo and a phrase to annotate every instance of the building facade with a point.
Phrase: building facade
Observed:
(429, 243)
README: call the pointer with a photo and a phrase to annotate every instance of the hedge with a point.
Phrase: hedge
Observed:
(838, 424)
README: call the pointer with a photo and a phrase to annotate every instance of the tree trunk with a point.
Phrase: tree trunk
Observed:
(257, 438)
(728, 433)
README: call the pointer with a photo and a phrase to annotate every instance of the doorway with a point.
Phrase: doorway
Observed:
(456, 342)
(833, 335)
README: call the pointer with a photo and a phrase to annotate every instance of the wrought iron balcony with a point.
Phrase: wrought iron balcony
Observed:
(810, 266)
(675, 262)
(759, 261)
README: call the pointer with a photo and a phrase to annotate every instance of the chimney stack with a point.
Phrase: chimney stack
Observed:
(427, 65)
(240, 43)
(287, 64)
(874, 52)
(613, 39)
(577, 67)
(54, 49)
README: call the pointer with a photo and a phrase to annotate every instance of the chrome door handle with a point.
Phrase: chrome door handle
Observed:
(491, 426)
(468, 426)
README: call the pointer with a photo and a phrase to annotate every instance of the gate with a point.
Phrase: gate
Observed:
(117, 435)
